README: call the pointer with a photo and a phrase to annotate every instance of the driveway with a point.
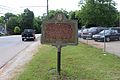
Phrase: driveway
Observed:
(111, 47)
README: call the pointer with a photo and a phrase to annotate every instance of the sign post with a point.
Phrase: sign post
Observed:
(59, 59)
(59, 32)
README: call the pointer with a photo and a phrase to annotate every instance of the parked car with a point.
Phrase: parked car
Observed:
(107, 35)
(92, 31)
(84, 32)
(79, 33)
(115, 28)
(28, 34)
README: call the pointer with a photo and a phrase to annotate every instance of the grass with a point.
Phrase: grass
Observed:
(80, 62)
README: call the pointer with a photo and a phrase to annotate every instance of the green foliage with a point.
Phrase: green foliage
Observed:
(92, 13)
(64, 11)
(1, 20)
(98, 12)
(37, 24)
(11, 23)
(8, 15)
(24, 20)
(74, 16)
(17, 30)
(53, 12)
(27, 19)
(118, 20)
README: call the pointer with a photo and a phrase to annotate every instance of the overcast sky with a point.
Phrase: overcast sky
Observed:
(39, 6)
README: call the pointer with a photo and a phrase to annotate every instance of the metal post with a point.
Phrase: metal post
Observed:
(87, 36)
(119, 19)
(5, 29)
(5, 26)
(59, 59)
(47, 9)
(104, 42)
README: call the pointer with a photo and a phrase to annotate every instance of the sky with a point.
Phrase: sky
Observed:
(39, 6)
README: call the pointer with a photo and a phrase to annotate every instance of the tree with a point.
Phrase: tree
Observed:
(98, 12)
(8, 15)
(53, 12)
(11, 23)
(74, 16)
(17, 30)
(1, 19)
(27, 19)
(37, 24)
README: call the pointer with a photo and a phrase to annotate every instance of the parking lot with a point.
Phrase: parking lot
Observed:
(111, 47)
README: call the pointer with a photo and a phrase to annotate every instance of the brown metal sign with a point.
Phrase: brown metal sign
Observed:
(59, 31)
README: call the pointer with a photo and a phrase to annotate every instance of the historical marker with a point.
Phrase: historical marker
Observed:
(59, 32)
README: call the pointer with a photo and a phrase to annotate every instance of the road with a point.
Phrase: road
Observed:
(10, 46)
(113, 47)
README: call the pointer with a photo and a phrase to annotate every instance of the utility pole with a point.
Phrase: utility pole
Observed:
(47, 9)
(5, 28)
(5, 25)
(119, 18)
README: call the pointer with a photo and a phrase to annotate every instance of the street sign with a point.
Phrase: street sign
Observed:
(59, 31)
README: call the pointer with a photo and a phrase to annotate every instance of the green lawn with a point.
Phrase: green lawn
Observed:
(80, 62)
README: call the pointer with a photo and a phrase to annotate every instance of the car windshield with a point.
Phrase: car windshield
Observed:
(28, 30)
(85, 30)
(92, 29)
(106, 32)
(79, 31)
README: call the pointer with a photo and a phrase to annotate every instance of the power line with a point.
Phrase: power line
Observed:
(31, 6)
(1, 13)
(6, 8)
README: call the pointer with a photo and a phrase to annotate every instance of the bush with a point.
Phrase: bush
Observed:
(17, 30)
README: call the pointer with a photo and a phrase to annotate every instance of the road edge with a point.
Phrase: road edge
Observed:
(17, 64)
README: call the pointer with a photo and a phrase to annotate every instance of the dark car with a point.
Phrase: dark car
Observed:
(92, 31)
(115, 28)
(28, 34)
(107, 35)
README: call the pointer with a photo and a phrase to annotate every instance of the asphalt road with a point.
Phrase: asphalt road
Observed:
(10, 46)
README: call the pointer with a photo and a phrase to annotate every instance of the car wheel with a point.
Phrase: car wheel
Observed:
(119, 38)
(95, 40)
(84, 38)
(23, 39)
(108, 39)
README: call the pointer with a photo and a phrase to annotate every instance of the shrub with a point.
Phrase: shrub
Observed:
(17, 30)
